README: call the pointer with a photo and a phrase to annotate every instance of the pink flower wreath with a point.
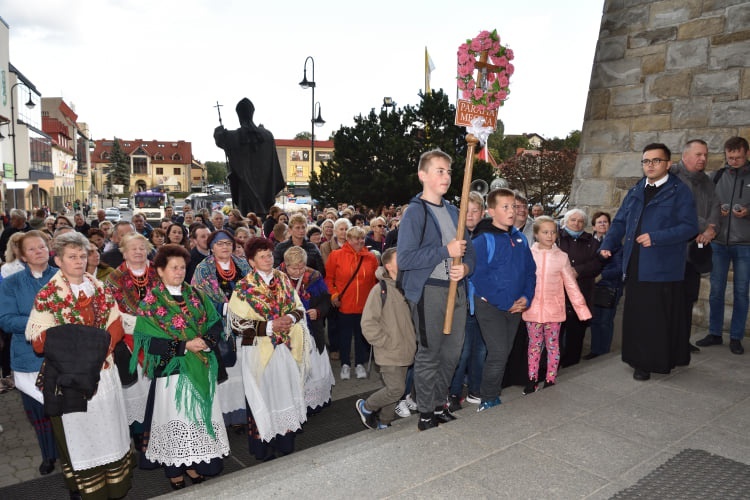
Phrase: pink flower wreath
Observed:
(495, 90)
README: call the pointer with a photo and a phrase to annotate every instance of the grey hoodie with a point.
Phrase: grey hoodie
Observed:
(706, 202)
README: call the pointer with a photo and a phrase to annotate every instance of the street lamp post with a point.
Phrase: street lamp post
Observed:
(30, 104)
(314, 122)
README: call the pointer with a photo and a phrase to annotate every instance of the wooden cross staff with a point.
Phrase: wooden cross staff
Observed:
(472, 141)
(483, 66)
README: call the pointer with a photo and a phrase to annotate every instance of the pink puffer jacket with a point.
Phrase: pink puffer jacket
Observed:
(554, 276)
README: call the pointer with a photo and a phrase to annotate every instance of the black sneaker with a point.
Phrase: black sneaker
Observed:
(710, 340)
(530, 387)
(443, 416)
(426, 421)
(693, 349)
(735, 345)
(473, 398)
(454, 403)
(369, 419)
(548, 384)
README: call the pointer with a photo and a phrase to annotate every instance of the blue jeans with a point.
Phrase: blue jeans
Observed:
(739, 256)
(472, 359)
(349, 326)
(603, 327)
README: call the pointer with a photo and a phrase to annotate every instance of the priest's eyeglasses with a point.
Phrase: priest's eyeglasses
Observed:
(655, 162)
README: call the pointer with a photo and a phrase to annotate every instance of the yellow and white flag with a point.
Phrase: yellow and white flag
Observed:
(428, 67)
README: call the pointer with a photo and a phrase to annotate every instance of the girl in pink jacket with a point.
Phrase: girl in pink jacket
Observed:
(554, 277)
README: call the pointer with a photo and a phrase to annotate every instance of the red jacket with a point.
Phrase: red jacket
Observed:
(554, 276)
(339, 268)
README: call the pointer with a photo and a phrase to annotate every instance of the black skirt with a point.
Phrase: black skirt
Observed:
(654, 334)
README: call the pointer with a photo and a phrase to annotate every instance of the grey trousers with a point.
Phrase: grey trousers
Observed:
(498, 331)
(385, 398)
(437, 354)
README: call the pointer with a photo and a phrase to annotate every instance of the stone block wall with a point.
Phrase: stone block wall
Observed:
(664, 71)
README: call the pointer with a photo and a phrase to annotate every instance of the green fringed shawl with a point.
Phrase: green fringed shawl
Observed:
(162, 318)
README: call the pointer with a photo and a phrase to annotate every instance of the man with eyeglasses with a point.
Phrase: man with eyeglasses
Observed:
(691, 170)
(732, 186)
(655, 221)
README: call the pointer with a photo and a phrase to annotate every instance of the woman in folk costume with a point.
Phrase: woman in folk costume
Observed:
(276, 344)
(216, 276)
(128, 284)
(93, 444)
(177, 331)
(313, 292)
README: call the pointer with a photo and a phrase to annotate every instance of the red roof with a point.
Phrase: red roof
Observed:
(159, 151)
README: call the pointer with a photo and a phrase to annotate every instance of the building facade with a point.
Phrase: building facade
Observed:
(166, 165)
(294, 156)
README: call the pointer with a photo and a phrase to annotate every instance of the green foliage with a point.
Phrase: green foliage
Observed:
(216, 172)
(375, 161)
(571, 142)
(119, 170)
(303, 136)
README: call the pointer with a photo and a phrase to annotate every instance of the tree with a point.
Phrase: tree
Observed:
(119, 169)
(542, 176)
(303, 136)
(375, 161)
(216, 172)
(571, 142)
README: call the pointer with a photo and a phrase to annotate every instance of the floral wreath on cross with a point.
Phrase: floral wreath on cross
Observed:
(494, 87)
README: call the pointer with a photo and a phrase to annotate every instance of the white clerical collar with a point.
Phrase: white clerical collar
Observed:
(659, 182)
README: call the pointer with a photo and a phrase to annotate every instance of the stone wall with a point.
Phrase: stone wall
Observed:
(664, 71)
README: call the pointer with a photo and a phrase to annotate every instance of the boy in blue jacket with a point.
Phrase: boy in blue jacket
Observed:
(501, 288)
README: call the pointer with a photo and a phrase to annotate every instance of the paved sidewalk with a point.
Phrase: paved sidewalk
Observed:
(594, 434)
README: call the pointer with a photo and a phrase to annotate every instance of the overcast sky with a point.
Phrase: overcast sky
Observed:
(154, 69)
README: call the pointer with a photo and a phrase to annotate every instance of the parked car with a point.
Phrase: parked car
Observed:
(112, 214)
(124, 204)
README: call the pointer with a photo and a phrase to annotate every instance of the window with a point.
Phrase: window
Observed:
(176, 157)
(140, 165)
(159, 171)
(177, 171)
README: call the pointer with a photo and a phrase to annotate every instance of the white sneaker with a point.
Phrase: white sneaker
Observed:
(402, 409)
(346, 372)
(360, 371)
(410, 403)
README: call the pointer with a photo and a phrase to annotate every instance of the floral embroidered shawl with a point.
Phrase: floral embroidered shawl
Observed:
(55, 305)
(206, 281)
(162, 318)
(254, 300)
(120, 284)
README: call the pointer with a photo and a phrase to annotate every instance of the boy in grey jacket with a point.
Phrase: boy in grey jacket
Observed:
(387, 326)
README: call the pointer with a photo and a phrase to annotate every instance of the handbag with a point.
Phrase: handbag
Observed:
(122, 355)
(346, 287)
(604, 297)
(226, 347)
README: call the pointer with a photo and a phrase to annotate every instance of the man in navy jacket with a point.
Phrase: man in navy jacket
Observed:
(654, 223)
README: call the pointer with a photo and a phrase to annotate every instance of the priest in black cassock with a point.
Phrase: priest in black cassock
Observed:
(655, 221)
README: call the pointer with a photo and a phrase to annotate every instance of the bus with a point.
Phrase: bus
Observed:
(151, 204)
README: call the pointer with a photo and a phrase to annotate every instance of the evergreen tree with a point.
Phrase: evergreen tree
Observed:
(375, 161)
(119, 169)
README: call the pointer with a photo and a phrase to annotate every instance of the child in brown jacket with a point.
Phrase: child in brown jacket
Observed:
(387, 326)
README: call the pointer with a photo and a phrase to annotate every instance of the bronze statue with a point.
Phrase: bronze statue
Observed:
(255, 176)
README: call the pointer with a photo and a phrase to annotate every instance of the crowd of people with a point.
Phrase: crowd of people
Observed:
(135, 345)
